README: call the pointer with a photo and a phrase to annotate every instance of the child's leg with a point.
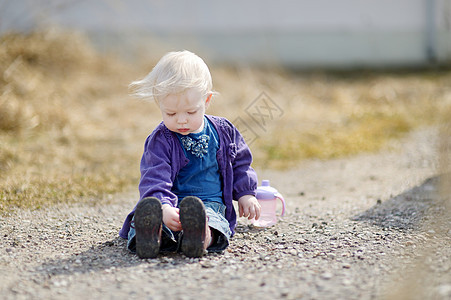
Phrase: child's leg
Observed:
(169, 239)
(148, 224)
(219, 226)
(194, 224)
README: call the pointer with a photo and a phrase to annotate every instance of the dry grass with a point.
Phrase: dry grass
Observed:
(331, 115)
(69, 132)
(63, 136)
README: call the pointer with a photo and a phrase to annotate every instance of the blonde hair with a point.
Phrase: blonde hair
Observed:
(173, 74)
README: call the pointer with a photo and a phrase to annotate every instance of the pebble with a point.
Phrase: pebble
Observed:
(444, 290)
(327, 275)
(346, 266)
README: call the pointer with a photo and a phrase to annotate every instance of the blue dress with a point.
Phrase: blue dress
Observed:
(200, 177)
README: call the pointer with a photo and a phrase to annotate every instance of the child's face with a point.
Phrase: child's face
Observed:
(184, 113)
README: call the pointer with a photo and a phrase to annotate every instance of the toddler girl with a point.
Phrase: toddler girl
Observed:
(199, 159)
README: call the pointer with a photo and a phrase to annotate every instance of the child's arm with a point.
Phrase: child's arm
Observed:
(159, 162)
(249, 207)
(171, 217)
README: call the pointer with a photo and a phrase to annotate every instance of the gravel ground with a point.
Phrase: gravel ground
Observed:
(367, 227)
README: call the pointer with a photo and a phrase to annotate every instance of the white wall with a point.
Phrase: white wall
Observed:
(303, 33)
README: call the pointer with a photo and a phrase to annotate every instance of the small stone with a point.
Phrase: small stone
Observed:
(206, 264)
(444, 290)
(61, 283)
(346, 282)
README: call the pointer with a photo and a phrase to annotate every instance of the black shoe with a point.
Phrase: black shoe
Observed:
(193, 219)
(148, 222)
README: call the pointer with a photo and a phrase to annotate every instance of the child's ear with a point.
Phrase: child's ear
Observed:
(208, 100)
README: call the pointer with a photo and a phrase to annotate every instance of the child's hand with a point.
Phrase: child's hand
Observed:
(249, 207)
(171, 217)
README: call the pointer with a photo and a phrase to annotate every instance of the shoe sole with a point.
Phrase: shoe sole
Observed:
(148, 220)
(193, 219)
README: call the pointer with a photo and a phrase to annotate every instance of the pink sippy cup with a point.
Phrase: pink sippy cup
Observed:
(267, 197)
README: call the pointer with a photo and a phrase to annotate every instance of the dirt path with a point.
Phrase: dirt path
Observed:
(336, 241)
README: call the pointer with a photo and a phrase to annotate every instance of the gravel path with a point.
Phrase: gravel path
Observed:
(366, 227)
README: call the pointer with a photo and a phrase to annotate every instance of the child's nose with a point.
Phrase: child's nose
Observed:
(182, 120)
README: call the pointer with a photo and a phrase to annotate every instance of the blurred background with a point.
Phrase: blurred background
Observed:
(342, 77)
(303, 33)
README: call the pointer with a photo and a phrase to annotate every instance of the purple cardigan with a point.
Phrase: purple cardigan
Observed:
(163, 157)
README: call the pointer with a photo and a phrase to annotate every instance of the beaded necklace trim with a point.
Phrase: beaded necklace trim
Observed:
(198, 147)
